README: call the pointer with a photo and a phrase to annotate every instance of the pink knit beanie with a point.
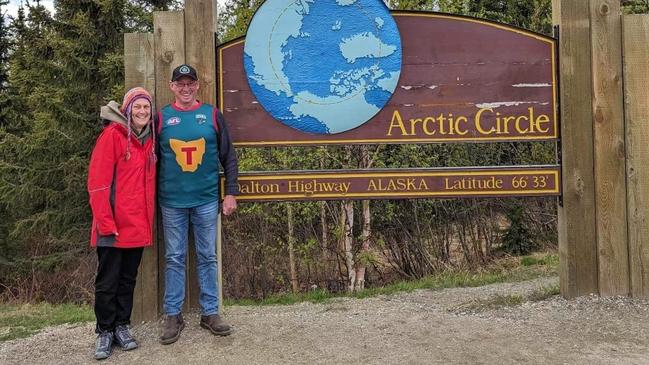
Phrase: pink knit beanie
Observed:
(131, 96)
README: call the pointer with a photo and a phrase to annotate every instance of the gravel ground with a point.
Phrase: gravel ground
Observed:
(422, 327)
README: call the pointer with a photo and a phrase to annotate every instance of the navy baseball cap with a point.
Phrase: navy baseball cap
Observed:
(184, 70)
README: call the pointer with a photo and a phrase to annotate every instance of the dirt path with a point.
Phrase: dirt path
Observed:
(423, 327)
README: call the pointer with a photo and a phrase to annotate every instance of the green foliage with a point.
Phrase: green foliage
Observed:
(27, 319)
(499, 272)
(547, 260)
(518, 239)
(63, 66)
(235, 17)
(534, 15)
(635, 6)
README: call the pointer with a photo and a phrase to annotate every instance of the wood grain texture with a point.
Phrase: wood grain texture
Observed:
(199, 45)
(577, 233)
(200, 53)
(609, 147)
(169, 38)
(139, 70)
(635, 30)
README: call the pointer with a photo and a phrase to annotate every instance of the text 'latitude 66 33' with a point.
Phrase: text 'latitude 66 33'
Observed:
(325, 66)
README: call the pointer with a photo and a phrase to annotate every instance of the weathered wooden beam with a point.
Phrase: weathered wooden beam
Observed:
(200, 53)
(577, 224)
(636, 77)
(139, 70)
(169, 37)
(609, 145)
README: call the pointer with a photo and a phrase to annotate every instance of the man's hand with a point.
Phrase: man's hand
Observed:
(229, 204)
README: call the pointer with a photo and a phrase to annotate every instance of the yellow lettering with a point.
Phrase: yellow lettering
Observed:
(425, 126)
(397, 122)
(518, 125)
(413, 126)
(542, 119)
(459, 120)
(478, 120)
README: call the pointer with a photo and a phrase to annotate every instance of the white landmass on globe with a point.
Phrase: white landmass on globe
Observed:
(346, 82)
(388, 84)
(337, 26)
(364, 44)
(347, 111)
(379, 22)
(345, 2)
(266, 52)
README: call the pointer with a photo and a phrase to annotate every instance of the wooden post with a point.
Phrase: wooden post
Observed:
(610, 170)
(169, 38)
(577, 232)
(201, 54)
(139, 71)
(636, 77)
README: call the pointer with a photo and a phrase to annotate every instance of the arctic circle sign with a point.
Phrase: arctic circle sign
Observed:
(322, 67)
(352, 72)
(462, 79)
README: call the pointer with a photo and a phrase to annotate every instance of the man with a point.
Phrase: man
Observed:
(192, 140)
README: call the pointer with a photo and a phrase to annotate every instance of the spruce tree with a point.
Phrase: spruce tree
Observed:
(63, 68)
(5, 44)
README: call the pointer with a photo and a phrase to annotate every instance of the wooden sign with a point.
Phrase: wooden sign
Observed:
(461, 79)
(401, 183)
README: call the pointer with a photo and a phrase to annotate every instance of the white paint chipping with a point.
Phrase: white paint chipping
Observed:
(503, 103)
(532, 85)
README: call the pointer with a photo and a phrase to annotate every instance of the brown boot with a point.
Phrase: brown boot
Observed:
(216, 325)
(171, 329)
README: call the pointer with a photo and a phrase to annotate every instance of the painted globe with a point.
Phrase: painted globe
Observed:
(323, 66)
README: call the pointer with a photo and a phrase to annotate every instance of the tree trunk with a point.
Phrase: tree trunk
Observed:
(326, 259)
(365, 246)
(366, 232)
(291, 242)
(347, 222)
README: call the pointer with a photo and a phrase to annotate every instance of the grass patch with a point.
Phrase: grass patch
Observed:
(545, 260)
(504, 270)
(18, 321)
(544, 293)
(499, 301)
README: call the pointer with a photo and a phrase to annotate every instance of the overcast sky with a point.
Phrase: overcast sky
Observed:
(12, 8)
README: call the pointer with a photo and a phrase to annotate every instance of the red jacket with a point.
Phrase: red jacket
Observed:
(122, 191)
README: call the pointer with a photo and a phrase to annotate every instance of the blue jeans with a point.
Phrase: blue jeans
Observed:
(175, 223)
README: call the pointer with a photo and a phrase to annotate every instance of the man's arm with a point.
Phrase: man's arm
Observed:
(228, 158)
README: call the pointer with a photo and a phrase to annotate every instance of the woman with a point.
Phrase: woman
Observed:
(121, 184)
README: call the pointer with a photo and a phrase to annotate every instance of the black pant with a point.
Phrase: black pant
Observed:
(114, 286)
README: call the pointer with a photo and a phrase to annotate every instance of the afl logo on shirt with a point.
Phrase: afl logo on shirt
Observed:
(173, 121)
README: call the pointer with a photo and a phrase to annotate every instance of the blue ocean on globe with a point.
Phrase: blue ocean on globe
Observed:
(323, 66)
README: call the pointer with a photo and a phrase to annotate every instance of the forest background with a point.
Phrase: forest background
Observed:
(56, 70)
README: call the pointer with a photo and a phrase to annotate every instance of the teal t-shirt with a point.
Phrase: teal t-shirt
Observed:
(189, 164)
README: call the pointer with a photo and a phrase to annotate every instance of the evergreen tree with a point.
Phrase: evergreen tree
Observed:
(64, 66)
(635, 6)
(5, 44)
(235, 18)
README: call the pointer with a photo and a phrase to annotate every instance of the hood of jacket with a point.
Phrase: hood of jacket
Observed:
(111, 113)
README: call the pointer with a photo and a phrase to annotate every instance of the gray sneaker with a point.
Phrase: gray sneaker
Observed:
(104, 346)
(124, 339)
